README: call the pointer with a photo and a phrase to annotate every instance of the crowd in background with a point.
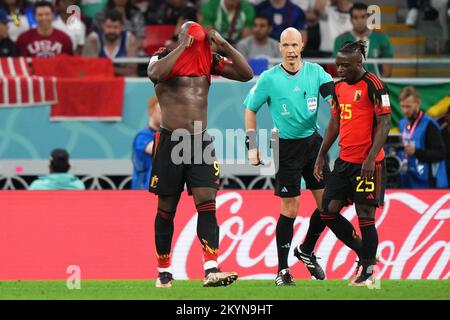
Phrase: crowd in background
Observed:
(120, 28)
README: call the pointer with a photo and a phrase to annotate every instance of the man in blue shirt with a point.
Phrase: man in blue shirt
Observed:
(291, 90)
(143, 148)
(284, 14)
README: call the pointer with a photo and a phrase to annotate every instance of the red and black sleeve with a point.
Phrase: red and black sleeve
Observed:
(378, 94)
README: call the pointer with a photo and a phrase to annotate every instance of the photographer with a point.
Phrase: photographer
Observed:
(423, 164)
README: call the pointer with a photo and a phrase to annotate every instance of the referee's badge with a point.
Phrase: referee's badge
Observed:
(358, 94)
(312, 104)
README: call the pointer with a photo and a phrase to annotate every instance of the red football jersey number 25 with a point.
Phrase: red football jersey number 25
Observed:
(346, 111)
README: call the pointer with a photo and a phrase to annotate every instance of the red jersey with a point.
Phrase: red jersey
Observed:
(356, 105)
(32, 44)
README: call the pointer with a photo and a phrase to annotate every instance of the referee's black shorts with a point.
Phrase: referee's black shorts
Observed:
(296, 160)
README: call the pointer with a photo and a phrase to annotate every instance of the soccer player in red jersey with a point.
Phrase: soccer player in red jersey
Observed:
(361, 116)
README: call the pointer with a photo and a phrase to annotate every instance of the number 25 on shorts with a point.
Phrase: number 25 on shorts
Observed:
(369, 186)
(346, 111)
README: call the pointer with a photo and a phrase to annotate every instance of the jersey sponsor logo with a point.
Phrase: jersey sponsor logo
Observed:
(358, 94)
(385, 100)
(312, 104)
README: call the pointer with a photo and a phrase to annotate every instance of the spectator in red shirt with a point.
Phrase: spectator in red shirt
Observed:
(44, 41)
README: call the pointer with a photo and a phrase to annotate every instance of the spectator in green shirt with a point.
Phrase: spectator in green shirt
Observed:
(378, 44)
(59, 177)
(233, 19)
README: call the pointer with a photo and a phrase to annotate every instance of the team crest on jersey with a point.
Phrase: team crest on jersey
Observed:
(154, 181)
(358, 94)
(312, 104)
(277, 19)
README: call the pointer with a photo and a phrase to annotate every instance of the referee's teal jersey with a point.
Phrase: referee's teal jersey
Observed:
(293, 100)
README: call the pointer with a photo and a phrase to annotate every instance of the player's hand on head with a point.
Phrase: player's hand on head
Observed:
(187, 40)
(318, 168)
(214, 37)
(254, 157)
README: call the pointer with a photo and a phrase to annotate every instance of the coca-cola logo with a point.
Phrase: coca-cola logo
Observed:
(414, 234)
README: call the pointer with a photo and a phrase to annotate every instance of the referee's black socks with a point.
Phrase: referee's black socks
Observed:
(284, 234)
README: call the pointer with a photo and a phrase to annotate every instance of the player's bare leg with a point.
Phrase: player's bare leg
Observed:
(208, 234)
(167, 206)
(368, 260)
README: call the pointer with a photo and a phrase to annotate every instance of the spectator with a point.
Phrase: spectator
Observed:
(143, 147)
(429, 13)
(259, 44)
(446, 137)
(113, 42)
(423, 157)
(312, 29)
(59, 178)
(44, 41)
(172, 12)
(134, 21)
(233, 19)
(334, 21)
(7, 47)
(70, 23)
(378, 43)
(90, 8)
(21, 17)
(283, 14)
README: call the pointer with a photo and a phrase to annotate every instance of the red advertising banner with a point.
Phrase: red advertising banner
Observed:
(109, 235)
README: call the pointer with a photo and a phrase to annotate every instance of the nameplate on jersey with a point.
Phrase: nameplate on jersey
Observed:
(312, 104)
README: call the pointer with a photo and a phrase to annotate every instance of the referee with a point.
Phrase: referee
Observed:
(291, 90)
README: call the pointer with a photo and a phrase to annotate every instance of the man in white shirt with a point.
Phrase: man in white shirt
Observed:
(69, 21)
(334, 21)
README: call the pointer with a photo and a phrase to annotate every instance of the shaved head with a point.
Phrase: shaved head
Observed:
(291, 47)
(291, 34)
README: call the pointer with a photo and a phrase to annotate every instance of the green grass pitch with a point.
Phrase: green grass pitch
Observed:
(241, 290)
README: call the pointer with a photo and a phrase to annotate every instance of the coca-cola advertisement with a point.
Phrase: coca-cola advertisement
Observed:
(109, 235)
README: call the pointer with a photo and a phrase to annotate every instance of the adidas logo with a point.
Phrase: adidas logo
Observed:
(286, 246)
(296, 89)
(370, 197)
(284, 189)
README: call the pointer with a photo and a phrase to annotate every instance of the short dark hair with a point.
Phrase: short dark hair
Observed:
(263, 16)
(113, 15)
(59, 161)
(358, 6)
(42, 4)
(354, 47)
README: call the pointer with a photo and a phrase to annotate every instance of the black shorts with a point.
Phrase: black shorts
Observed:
(345, 183)
(296, 160)
(177, 161)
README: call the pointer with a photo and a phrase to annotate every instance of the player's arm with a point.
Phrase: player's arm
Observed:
(257, 96)
(236, 69)
(379, 96)
(331, 135)
(381, 133)
(159, 69)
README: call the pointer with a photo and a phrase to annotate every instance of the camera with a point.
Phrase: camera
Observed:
(393, 144)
